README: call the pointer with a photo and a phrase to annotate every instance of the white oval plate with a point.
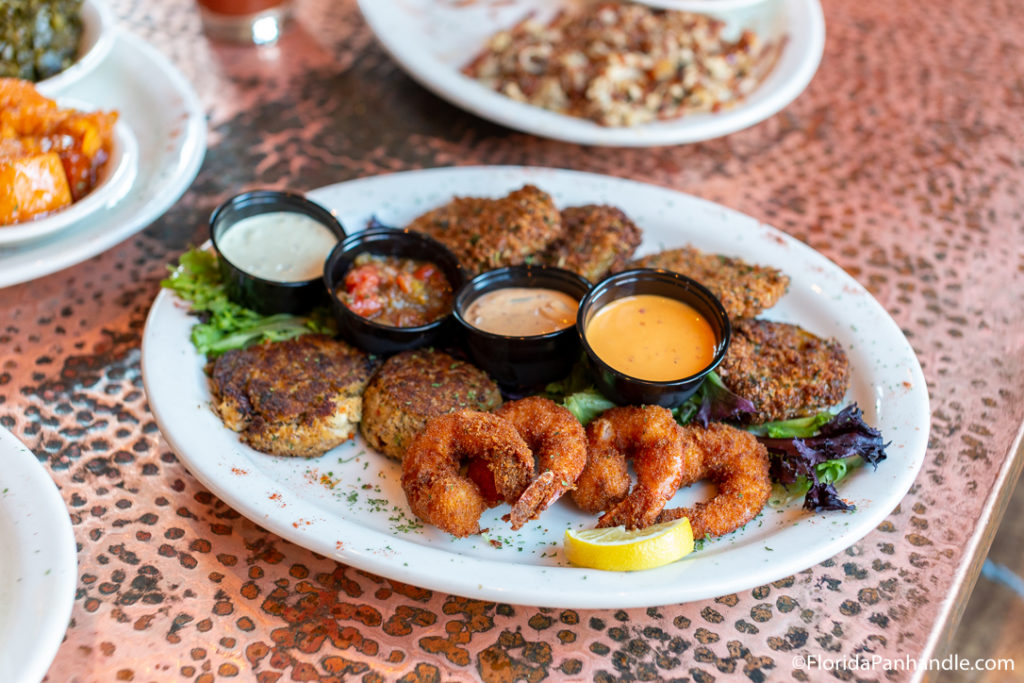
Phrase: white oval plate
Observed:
(115, 181)
(348, 504)
(38, 564)
(165, 115)
(98, 34)
(433, 40)
(701, 6)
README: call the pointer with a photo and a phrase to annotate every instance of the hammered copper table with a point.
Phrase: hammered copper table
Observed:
(903, 162)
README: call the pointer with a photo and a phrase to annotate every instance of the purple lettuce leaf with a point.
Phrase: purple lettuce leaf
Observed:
(822, 496)
(718, 404)
(844, 436)
(847, 434)
(793, 459)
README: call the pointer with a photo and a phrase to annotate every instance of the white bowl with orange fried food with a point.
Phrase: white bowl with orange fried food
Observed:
(59, 162)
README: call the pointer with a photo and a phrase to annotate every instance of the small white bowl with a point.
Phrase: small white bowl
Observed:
(115, 181)
(98, 35)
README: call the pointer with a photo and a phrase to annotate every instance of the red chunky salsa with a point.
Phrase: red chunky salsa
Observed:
(396, 291)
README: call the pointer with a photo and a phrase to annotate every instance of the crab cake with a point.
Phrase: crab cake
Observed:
(299, 397)
(491, 233)
(595, 239)
(412, 387)
(744, 289)
(785, 370)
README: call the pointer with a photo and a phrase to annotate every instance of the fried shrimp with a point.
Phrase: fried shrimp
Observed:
(650, 436)
(499, 467)
(735, 461)
(559, 447)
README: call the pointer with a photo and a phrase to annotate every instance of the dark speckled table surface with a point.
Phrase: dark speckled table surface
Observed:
(903, 162)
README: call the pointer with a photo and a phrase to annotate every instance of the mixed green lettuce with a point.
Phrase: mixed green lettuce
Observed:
(578, 394)
(713, 402)
(819, 460)
(223, 324)
(797, 428)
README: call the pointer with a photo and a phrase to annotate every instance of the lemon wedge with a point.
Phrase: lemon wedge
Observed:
(615, 549)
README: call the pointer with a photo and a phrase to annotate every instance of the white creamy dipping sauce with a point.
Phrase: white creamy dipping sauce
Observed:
(283, 246)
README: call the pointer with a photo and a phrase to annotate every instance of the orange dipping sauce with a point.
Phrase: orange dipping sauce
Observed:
(652, 338)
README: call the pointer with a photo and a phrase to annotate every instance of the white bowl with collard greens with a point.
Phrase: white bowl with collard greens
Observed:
(56, 43)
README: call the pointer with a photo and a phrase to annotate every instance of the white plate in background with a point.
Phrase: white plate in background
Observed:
(348, 504)
(433, 40)
(38, 564)
(165, 115)
(701, 6)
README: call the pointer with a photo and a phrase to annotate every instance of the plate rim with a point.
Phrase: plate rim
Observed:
(46, 257)
(546, 595)
(463, 92)
(704, 6)
(62, 576)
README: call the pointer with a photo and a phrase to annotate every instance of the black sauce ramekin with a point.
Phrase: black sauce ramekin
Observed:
(373, 336)
(522, 362)
(260, 294)
(626, 390)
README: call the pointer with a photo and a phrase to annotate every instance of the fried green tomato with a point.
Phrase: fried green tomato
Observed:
(300, 397)
(784, 370)
(414, 386)
(595, 240)
(744, 289)
(492, 233)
